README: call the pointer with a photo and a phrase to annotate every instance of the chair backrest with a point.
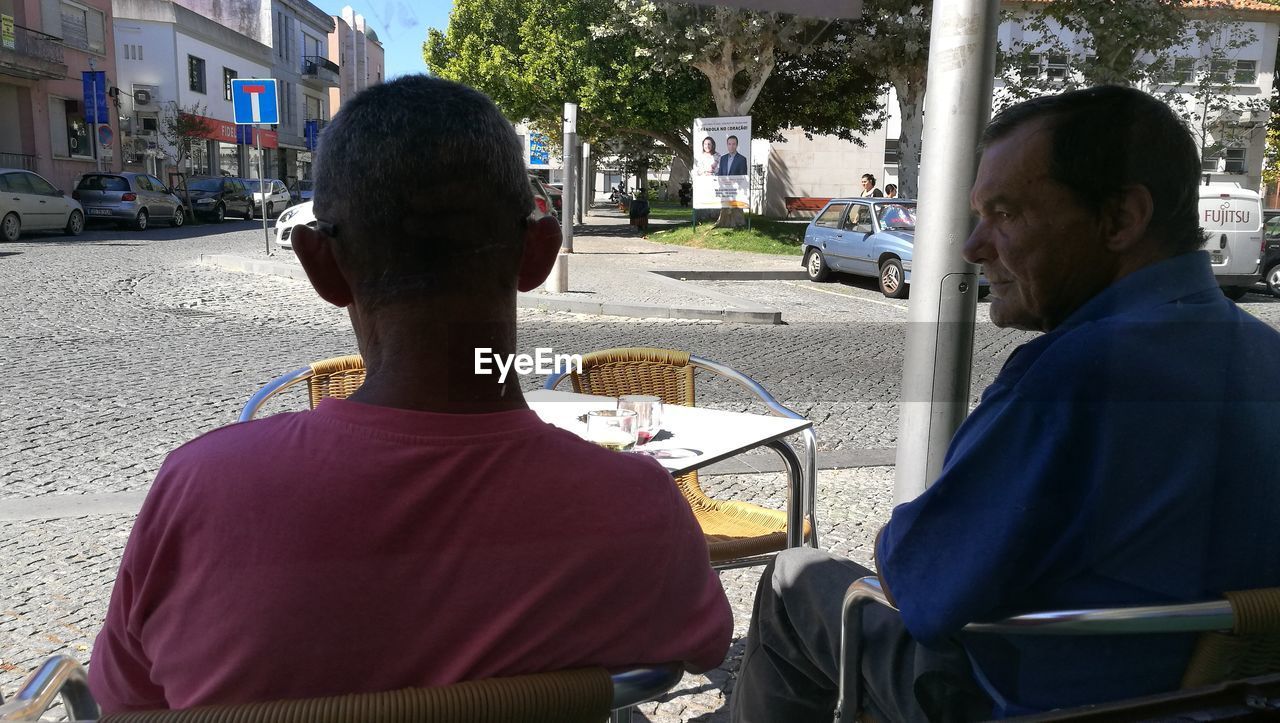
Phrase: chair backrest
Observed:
(664, 373)
(583, 695)
(338, 377)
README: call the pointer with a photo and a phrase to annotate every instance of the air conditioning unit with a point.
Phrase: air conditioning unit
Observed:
(144, 95)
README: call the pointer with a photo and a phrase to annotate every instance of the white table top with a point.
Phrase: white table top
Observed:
(694, 438)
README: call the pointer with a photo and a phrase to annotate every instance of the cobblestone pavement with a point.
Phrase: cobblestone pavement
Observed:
(121, 347)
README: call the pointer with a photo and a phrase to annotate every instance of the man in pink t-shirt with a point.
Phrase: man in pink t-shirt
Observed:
(430, 528)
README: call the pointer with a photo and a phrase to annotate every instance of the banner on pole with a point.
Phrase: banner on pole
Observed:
(95, 96)
(722, 162)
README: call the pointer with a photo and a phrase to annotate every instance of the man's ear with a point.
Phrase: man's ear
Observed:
(315, 252)
(541, 245)
(1127, 217)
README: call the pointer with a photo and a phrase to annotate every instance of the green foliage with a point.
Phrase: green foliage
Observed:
(532, 56)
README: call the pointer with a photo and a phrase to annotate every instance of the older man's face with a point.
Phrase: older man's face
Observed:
(1043, 253)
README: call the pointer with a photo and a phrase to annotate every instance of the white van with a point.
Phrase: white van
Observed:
(1232, 220)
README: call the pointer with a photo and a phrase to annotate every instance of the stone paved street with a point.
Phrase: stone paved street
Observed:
(121, 347)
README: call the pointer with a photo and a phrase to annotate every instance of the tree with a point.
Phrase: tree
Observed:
(736, 50)
(892, 37)
(180, 127)
(1184, 56)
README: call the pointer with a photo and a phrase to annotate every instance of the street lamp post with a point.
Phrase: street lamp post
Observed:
(558, 282)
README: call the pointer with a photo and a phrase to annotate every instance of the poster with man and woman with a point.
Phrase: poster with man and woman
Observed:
(722, 162)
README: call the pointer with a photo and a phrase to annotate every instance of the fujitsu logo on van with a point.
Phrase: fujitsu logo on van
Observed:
(1225, 215)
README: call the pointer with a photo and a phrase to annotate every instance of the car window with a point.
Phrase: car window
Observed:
(206, 184)
(859, 219)
(100, 182)
(897, 217)
(278, 187)
(4, 185)
(830, 216)
(41, 186)
(1272, 229)
(18, 183)
(143, 182)
(156, 183)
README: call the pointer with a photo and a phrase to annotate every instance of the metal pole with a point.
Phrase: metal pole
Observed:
(944, 288)
(262, 187)
(93, 127)
(584, 183)
(558, 281)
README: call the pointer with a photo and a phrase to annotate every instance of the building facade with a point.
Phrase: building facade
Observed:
(306, 72)
(359, 53)
(45, 46)
(175, 60)
(1233, 141)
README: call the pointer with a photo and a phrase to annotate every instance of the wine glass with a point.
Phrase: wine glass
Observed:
(612, 428)
(648, 411)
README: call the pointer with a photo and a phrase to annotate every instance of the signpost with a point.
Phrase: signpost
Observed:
(255, 102)
(95, 105)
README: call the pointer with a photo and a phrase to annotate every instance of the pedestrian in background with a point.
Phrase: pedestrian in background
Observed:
(869, 189)
(640, 211)
(891, 190)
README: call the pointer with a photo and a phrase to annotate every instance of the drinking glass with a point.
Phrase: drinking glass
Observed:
(612, 428)
(648, 411)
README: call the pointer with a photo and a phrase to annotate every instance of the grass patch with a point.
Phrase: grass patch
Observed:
(670, 211)
(766, 236)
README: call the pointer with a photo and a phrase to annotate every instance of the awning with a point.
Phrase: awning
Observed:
(224, 132)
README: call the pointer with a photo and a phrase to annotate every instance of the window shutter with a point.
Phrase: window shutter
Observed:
(97, 34)
(51, 17)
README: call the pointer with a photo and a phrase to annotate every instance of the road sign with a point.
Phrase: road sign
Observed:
(104, 136)
(255, 101)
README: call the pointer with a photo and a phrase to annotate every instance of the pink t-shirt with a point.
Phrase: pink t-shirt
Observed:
(357, 548)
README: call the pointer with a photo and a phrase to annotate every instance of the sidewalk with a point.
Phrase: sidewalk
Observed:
(614, 272)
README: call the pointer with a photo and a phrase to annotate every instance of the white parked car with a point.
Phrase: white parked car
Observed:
(30, 203)
(303, 213)
(276, 197)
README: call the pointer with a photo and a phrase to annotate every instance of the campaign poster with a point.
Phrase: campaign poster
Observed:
(539, 151)
(722, 162)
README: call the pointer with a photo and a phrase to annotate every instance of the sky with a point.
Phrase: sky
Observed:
(401, 26)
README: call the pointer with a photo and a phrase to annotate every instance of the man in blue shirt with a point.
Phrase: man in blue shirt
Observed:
(1124, 457)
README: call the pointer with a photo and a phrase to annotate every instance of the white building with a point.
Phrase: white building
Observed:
(359, 54)
(306, 72)
(827, 167)
(167, 53)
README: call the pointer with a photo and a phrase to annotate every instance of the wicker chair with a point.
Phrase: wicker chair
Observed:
(1239, 638)
(738, 534)
(337, 377)
(585, 695)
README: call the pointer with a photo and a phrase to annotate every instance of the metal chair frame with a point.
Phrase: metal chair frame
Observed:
(1216, 615)
(61, 675)
(802, 475)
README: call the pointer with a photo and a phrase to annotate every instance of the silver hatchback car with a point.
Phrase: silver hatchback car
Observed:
(135, 199)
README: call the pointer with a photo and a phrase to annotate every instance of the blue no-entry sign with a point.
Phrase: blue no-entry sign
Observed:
(254, 101)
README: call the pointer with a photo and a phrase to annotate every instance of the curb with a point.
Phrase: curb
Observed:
(744, 313)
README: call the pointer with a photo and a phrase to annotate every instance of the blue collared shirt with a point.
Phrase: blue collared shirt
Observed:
(1129, 456)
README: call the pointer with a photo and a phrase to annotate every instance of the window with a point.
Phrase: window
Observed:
(83, 28)
(314, 109)
(195, 73)
(68, 133)
(276, 36)
(859, 219)
(144, 184)
(1232, 161)
(891, 151)
(40, 186)
(1246, 72)
(1031, 69)
(19, 182)
(149, 123)
(1056, 67)
(1220, 71)
(1178, 72)
(830, 218)
(227, 76)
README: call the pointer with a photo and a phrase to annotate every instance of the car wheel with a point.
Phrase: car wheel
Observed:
(219, 214)
(1234, 292)
(140, 222)
(179, 217)
(271, 208)
(815, 267)
(75, 222)
(891, 279)
(1272, 278)
(10, 228)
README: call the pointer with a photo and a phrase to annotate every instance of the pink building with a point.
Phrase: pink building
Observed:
(360, 57)
(44, 47)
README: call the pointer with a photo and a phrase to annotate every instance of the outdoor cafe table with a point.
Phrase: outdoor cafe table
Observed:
(694, 438)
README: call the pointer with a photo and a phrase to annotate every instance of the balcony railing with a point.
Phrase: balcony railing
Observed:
(36, 44)
(316, 64)
(17, 160)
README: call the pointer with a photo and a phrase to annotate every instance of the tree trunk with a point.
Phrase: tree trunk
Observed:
(679, 175)
(910, 89)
